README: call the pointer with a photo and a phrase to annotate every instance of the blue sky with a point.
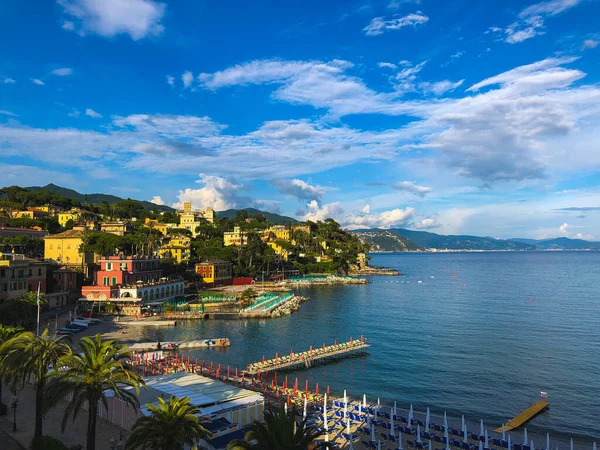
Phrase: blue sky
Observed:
(454, 117)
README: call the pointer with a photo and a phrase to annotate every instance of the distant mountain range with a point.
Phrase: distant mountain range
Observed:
(275, 219)
(387, 240)
(99, 198)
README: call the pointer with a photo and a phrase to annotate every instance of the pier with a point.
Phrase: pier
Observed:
(525, 416)
(308, 358)
(181, 345)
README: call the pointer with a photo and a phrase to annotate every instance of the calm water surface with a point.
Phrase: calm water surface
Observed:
(481, 335)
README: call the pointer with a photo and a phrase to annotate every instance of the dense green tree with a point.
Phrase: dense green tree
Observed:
(6, 334)
(27, 356)
(88, 377)
(279, 431)
(128, 208)
(170, 426)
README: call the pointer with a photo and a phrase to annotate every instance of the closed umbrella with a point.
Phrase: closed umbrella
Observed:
(462, 424)
(509, 443)
(348, 425)
(525, 437)
(427, 417)
(503, 433)
(392, 423)
(532, 446)
(430, 446)
(378, 445)
(486, 440)
(548, 441)
(305, 407)
(418, 433)
(378, 404)
(345, 404)
(465, 438)
(481, 428)
(399, 440)
(351, 444)
(373, 432)
(395, 411)
(410, 415)
(364, 403)
(594, 446)
(447, 438)
(571, 443)
(480, 445)
(445, 422)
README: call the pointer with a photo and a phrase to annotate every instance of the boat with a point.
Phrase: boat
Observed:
(68, 330)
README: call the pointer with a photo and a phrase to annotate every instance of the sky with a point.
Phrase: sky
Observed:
(456, 117)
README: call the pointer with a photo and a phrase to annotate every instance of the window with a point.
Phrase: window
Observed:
(108, 266)
(2, 272)
(105, 281)
(30, 272)
(68, 246)
(50, 247)
(114, 281)
(39, 271)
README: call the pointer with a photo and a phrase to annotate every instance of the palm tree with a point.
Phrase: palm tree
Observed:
(279, 431)
(170, 426)
(88, 376)
(25, 356)
(6, 333)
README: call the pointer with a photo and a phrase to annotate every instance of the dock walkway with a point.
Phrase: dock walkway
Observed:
(180, 345)
(525, 416)
(310, 357)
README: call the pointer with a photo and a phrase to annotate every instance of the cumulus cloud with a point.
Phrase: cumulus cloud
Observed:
(91, 113)
(564, 228)
(426, 224)
(170, 80)
(135, 18)
(62, 72)
(315, 212)
(9, 81)
(380, 24)
(387, 65)
(37, 81)
(299, 189)
(7, 113)
(440, 87)
(386, 219)
(411, 187)
(216, 192)
(157, 200)
(590, 44)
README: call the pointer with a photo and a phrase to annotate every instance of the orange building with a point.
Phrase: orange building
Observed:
(215, 272)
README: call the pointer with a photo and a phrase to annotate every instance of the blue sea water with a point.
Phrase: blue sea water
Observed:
(481, 334)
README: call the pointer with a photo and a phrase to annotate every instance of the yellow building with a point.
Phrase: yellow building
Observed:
(31, 213)
(162, 227)
(118, 228)
(190, 219)
(282, 252)
(64, 217)
(177, 247)
(216, 272)
(236, 237)
(280, 232)
(64, 249)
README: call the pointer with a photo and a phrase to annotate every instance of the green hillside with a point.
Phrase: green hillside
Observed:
(387, 241)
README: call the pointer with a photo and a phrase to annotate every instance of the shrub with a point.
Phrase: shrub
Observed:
(47, 443)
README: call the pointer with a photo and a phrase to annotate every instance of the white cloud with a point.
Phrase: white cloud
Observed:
(187, 79)
(439, 87)
(316, 212)
(590, 44)
(7, 113)
(531, 20)
(563, 228)
(170, 80)
(387, 65)
(548, 8)
(74, 113)
(395, 4)
(379, 24)
(411, 187)
(62, 72)
(9, 81)
(426, 224)
(108, 18)
(91, 113)
(299, 189)
(157, 200)
(216, 192)
(386, 219)
(457, 54)
(405, 80)
(36, 81)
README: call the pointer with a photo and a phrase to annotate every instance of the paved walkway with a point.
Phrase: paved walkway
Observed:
(8, 443)
(75, 432)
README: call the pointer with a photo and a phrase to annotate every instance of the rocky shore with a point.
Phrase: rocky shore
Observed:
(287, 308)
(375, 271)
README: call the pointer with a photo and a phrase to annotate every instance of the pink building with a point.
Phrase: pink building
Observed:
(116, 270)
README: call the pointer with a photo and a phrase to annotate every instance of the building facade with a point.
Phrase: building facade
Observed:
(118, 228)
(191, 219)
(215, 272)
(236, 237)
(64, 249)
(177, 247)
(13, 276)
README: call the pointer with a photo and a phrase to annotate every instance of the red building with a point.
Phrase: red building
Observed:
(116, 270)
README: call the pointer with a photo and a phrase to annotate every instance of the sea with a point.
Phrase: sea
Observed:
(473, 334)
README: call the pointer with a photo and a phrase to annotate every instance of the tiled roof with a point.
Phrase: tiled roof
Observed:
(65, 234)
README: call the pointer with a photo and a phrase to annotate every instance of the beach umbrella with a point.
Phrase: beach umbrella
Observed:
(503, 433)
(532, 446)
(462, 423)
(410, 415)
(368, 420)
(571, 443)
(345, 404)
(326, 435)
(427, 416)
(285, 406)
(348, 425)
(395, 411)
(305, 407)
(486, 439)
(447, 438)
(373, 432)
(306, 390)
(392, 423)
(400, 440)
(378, 404)
(548, 441)
(465, 438)
(525, 437)
(325, 410)
(316, 387)
(481, 428)
(480, 445)
(364, 403)
(594, 446)
(378, 445)
(445, 422)
(509, 443)
(430, 446)
(418, 433)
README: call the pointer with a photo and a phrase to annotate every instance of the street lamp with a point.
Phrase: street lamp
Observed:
(14, 402)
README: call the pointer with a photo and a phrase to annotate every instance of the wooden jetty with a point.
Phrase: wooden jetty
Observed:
(310, 357)
(181, 345)
(525, 416)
